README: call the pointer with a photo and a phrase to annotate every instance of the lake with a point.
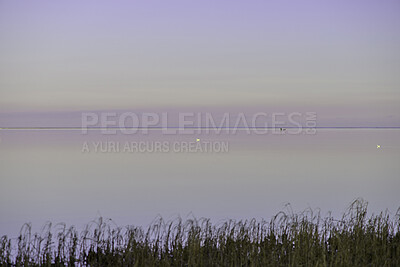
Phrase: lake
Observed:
(49, 175)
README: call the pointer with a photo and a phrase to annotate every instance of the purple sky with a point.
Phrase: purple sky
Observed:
(339, 58)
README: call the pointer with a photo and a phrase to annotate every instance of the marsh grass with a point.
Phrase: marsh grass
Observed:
(288, 239)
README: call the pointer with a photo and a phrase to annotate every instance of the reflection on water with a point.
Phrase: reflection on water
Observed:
(46, 176)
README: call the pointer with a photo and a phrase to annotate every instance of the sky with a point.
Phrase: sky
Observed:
(326, 56)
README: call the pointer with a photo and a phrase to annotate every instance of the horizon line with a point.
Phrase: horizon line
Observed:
(193, 127)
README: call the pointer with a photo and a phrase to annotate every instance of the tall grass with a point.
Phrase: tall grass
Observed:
(288, 239)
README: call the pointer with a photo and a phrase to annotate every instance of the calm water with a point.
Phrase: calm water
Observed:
(45, 176)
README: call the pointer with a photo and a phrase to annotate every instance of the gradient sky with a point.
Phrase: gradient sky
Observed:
(80, 55)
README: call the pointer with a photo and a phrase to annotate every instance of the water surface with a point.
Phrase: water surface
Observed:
(45, 176)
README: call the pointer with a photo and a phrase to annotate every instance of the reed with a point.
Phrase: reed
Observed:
(288, 239)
